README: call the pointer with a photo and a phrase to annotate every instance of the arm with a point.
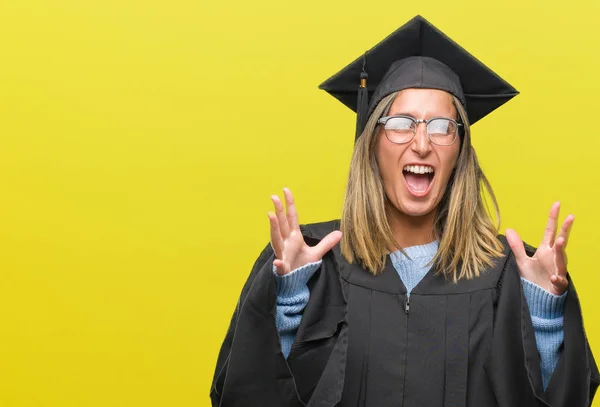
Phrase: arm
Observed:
(513, 363)
(251, 369)
(574, 378)
(546, 310)
(292, 297)
(250, 350)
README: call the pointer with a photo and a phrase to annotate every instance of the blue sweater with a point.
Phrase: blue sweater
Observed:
(546, 309)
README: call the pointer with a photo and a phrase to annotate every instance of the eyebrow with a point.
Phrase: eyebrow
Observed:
(415, 117)
(403, 114)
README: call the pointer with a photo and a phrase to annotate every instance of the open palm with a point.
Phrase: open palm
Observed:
(548, 266)
(287, 241)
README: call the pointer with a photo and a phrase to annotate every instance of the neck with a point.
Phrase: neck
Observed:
(411, 230)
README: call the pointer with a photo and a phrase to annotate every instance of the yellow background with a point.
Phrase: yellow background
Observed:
(140, 141)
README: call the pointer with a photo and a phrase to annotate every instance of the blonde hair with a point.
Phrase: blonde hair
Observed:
(463, 225)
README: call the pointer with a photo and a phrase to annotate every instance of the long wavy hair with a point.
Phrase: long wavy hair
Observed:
(463, 223)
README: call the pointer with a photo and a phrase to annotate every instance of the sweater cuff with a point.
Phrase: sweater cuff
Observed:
(543, 304)
(291, 283)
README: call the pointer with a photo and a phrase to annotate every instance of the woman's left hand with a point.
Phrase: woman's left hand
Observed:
(548, 266)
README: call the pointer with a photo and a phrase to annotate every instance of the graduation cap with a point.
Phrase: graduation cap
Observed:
(418, 55)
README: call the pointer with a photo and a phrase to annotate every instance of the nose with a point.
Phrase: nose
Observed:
(420, 143)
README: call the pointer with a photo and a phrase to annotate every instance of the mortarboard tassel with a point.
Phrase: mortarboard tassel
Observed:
(363, 101)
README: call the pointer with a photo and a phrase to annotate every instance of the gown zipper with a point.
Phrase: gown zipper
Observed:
(406, 310)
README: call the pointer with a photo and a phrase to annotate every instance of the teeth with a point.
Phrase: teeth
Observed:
(419, 169)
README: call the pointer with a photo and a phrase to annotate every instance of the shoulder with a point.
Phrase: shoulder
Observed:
(317, 231)
(507, 264)
(507, 252)
(504, 270)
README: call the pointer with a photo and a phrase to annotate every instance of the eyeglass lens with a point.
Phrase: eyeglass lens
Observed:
(402, 130)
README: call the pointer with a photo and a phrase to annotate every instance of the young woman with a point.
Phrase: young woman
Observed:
(412, 299)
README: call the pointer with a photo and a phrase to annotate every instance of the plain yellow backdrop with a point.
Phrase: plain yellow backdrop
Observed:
(140, 141)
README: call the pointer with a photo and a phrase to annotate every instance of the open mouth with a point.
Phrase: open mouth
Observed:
(418, 178)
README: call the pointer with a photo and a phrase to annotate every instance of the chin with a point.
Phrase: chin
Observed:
(416, 210)
(408, 203)
(414, 207)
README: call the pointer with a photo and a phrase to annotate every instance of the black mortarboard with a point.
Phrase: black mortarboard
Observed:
(418, 55)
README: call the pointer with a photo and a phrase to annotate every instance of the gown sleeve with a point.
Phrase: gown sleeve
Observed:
(546, 311)
(251, 369)
(292, 296)
(513, 363)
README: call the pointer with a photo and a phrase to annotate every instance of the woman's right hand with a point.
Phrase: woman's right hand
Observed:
(287, 241)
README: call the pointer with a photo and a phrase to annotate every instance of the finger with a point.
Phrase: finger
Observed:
(560, 257)
(283, 223)
(327, 243)
(551, 225)
(516, 245)
(279, 268)
(560, 283)
(276, 239)
(292, 215)
(559, 280)
(565, 229)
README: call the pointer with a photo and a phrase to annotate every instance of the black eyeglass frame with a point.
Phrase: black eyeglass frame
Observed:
(384, 120)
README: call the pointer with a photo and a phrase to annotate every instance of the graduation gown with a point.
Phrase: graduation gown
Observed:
(363, 342)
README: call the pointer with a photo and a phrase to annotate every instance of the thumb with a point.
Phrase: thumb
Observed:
(327, 243)
(516, 245)
(560, 283)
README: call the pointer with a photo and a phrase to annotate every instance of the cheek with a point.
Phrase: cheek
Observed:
(450, 159)
(450, 162)
(389, 172)
(388, 155)
(383, 157)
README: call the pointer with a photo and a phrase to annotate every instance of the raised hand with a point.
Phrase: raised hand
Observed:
(287, 241)
(548, 266)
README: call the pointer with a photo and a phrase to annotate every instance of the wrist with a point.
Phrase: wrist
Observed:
(543, 303)
(289, 283)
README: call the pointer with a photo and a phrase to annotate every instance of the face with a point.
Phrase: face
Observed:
(417, 194)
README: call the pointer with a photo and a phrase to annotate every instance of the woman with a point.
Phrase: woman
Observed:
(415, 301)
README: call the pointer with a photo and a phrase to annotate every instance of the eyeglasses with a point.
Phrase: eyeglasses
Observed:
(402, 129)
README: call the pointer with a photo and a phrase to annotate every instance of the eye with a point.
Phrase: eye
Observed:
(399, 124)
(441, 126)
